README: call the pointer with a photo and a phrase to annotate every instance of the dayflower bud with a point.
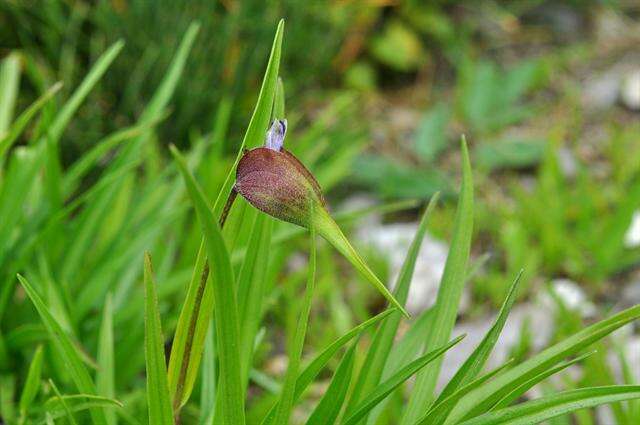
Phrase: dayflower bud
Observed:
(274, 181)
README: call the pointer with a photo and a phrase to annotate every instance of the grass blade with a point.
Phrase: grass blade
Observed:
(82, 166)
(208, 380)
(449, 293)
(24, 118)
(259, 122)
(537, 411)
(481, 399)
(384, 389)
(225, 307)
(475, 362)
(158, 399)
(527, 385)
(9, 85)
(287, 396)
(330, 405)
(312, 370)
(180, 355)
(105, 378)
(63, 403)
(66, 348)
(317, 364)
(439, 411)
(251, 287)
(383, 339)
(93, 76)
(161, 97)
(190, 333)
(31, 385)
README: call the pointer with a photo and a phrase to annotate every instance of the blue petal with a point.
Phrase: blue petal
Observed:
(275, 135)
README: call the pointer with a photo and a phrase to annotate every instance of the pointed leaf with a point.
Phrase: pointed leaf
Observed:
(537, 411)
(158, 399)
(449, 293)
(67, 350)
(385, 388)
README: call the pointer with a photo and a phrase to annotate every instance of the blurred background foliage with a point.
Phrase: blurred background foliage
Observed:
(377, 94)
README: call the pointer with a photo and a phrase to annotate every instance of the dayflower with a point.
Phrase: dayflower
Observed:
(274, 181)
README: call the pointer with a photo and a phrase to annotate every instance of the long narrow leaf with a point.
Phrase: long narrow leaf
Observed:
(67, 349)
(527, 385)
(71, 106)
(9, 85)
(24, 118)
(158, 399)
(438, 413)
(287, 396)
(331, 403)
(312, 370)
(225, 306)
(259, 122)
(384, 389)
(32, 383)
(537, 411)
(475, 362)
(449, 293)
(105, 377)
(481, 399)
(378, 353)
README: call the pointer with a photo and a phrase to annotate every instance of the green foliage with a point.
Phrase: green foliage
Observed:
(76, 226)
(158, 399)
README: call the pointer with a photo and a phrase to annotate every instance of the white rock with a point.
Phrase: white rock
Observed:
(568, 163)
(632, 237)
(630, 90)
(571, 295)
(601, 91)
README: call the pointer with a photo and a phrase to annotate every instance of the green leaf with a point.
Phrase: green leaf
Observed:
(312, 370)
(438, 413)
(287, 396)
(509, 153)
(32, 383)
(67, 350)
(208, 379)
(105, 377)
(383, 339)
(259, 122)
(225, 306)
(449, 293)
(24, 118)
(330, 231)
(82, 166)
(187, 348)
(540, 410)
(527, 385)
(384, 389)
(7, 402)
(158, 399)
(481, 399)
(9, 86)
(251, 288)
(161, 97)
(63, 403)
(93, 76)
(327, 410)
(317, 364)
(431, 134)
(476, 361)
(188, 341)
